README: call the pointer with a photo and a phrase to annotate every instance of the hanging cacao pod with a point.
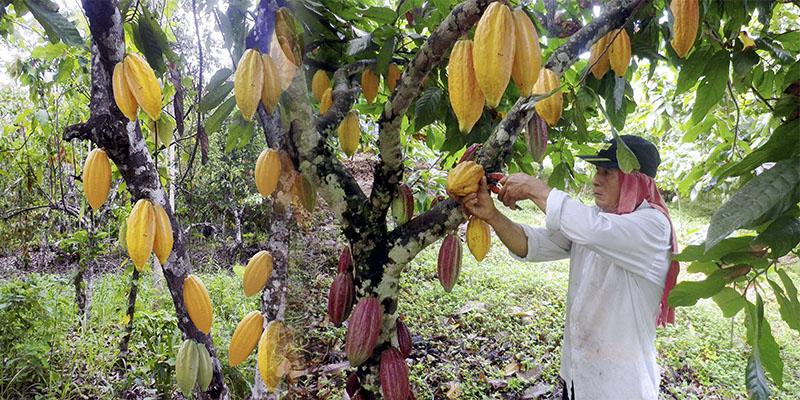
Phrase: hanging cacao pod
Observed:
(187, 363)
(403, 338)
(479, 239)
(198, 303)
(527, 53)
(494, 51)
(245, 337)
(305, 192)
(345, 260)
(619, 55)
(469, 153)
(340, 298)
(598, 57)
(143, 84)
(271, 358)
(205, 370)
(352, 385)
(536, 137)
(686, 20)
(392, 76)
(271, 91)
(466, 97)
(449, 264)
(141, 233)
(369, 85)
(283, 56)
(268, 171)
(350, 133)
(465, 178)
(326, 102)
(96, 178)
(549, 108)
(403, 205)
(363, 330)
(319, 83)
(162, 244)
(394, 375)
(248, 83)
(123, 96)
(257, 273)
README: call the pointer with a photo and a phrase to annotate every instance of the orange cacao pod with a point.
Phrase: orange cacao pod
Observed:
(527, 54)
(257, 273)
(494, 51)
(198, 303)
(465, 178)
(340, 298)
(449, 265)
(363, 330)
(466, 97)
(369, 85)
(479, 239)
(619, 55)
(96, 178)
(686, 20)
(245, 337)
(394, 375)
(392, 76)
(550, 107)
(598, 57)
(268, 171)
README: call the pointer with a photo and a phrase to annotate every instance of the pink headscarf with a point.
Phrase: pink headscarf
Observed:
(633, 189)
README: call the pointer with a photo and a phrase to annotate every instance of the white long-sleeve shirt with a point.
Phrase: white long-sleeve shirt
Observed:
(618, 265)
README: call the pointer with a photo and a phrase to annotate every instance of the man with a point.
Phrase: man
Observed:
(620, 268)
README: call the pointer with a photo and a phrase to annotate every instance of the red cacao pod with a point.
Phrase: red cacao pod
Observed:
(394, 375)
(352, 385)
(536, 137)
(363, 330)
(340, 298)
(450, 261)
(345, 260)
(403, 338)
(403, 205)
(469, 154)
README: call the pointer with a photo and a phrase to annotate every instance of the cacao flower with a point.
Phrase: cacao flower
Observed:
(536, 137)
(466, 97)
(340, 298)
(436, 200)
(686, 20)
(494, 51)
(403, 338)
(363, 330)
(394, 375)
(403, 205)
(449, 265)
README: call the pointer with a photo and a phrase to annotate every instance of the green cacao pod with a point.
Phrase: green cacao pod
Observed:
(403, 205)
(186, 366)
(205, 370)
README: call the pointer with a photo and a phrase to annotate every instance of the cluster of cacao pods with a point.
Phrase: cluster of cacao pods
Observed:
(403, 205)
(393, 370)
(197, 303)
(370, 81)
(257, 272)
(612, 51)
(193, 367)
(148, 230)
(96, 178)
(268, 171)
(350, 133)
(256, 81)
(135, 85)
(343, 291)
(686, 20)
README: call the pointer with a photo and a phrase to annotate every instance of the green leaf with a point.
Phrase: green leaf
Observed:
(691, 70)
(782, 144)
(385, 56)
(220, 76)
(756, 379)
(724, 247)
(428, 107)
(757, 197)
(770, 354)
(239, 133)
(55, 25)
(214, 122)
(782, 235)
(729, 301)
(791, 290)
(381, 15)
(695, 130)
(702, 267)
(687, 293)
(712, 86)
(789, 307)
(215, 95)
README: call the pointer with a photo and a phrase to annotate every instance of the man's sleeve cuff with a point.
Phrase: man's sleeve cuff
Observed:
(553, 213)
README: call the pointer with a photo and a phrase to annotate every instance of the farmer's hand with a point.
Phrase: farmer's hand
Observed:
(479, 204)
(522, 186)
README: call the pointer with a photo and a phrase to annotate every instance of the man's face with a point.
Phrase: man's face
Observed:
(606, 189)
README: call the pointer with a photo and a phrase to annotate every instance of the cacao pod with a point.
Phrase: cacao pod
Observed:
(352, 385)
(394, 375)
(403, 205)
(465, 178)
(257, 272)
(466, 97)
(143, 84)
(550, 107)
(479, 239)
(527, 54)
(248, 83)
(536, 137)
(187, 362)
(326, 102)
(350, 133)
(123, 96)
(449, 265)
(271, 91)
(369, 85)
(686, 20)
(363, 330)
(392, 76)
(345, 260)
(340, 298)
(403, 338)
(141, 233)
(494, 51)
(271, 359)
(162, 244)
(245, 338)
(619, 55)
(598, 57)
(163, 130)
(469, 154)
(96, 178)
(305, 192)
(283, 56)
(319, 83)
(205, 370)
(268, 171)
(198, 303)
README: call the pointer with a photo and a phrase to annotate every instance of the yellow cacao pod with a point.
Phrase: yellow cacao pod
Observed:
(350, 133)
(465, 178)
(494, 51)
(143, 84)
(326, 101)
(272, 362)
(686, 19)
(249, 82)
(619, 55)
(527, 53)
(198, 303)
(271, 91)
(141, 232)
(479, 239)
(96, 178)
(305, 192)
(245, 338)
(549, 108)
(123, 96)
(466, 97)
(162, 245)
(257, 272)
(392, 76)
(369, 85)
(598, 58)
(319, 83)
(268, 171)
(284, 61)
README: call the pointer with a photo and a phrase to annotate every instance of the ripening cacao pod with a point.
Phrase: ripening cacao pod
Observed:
(479, 239)
(350, 133)
(198, 303)
(403, 338)
(96, 178)
(123, 96)
(598, 57)
(494, 51)
(271, 90)
(319, 83)
(465, 178)
(340, 298)
(283, 56)
(363, 330)
(268, 171)
(466, 97)
(141, 232)
(403, 205)
(162, 244)
(143, 84)
(187, 363)
(686, 20)
(345, 260)
(248, 83)
(257, 272)
(536, 137)
(245, 338)
(205, 370)
(449, 265)
(550, 107)
(271, 358)
(619, 55)
(469, 154)
(369, 85)
(392, 76)
(305, 192)
(527, 53)
(326, 101)
(394, 375)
